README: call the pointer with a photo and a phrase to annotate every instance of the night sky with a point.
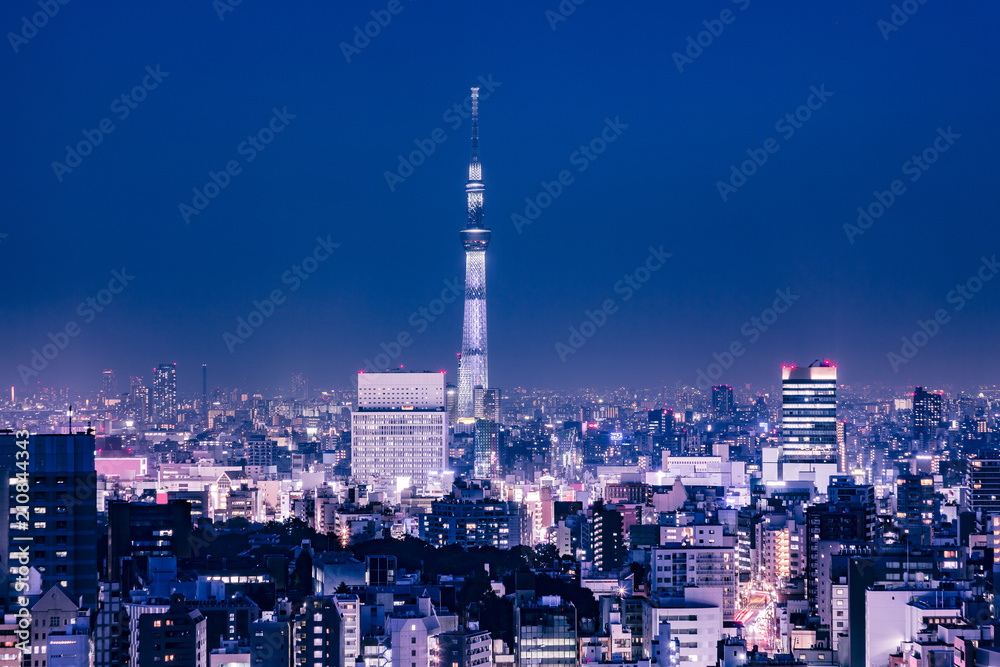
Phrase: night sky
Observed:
(884, 95)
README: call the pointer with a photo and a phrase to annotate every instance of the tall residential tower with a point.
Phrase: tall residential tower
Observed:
(472, 366)
(164, 406)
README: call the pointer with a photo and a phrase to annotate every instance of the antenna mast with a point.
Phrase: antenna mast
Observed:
(475, 127)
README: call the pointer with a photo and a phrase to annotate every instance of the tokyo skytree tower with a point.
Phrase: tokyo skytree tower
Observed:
(472, 365)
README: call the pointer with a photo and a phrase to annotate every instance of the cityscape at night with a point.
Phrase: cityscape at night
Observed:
(520, 335)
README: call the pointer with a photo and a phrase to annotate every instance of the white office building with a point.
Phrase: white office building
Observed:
(679, 566)
(695, 621)
(399, 433)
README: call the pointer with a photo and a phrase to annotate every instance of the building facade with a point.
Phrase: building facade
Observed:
(399, 432)
(165, 394)
(545, 633)
(809, 414)
(53, 513)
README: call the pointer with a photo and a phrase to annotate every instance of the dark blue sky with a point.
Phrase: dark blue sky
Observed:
(656, 184)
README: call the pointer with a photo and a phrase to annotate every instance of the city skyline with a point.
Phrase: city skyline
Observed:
(330, 179)
(733, 400)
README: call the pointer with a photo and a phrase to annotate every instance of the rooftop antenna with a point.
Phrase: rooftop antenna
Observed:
(475, 132)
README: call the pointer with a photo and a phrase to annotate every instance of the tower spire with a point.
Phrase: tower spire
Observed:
(475, 128)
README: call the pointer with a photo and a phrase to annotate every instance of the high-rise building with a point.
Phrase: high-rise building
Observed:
(400, 429)
(10, 654)
(204, 395)
(138, 400)
(809, 413)
(694, 618)
(415, 639)
(607, 538)
(300, 386)
(111, 638)
(843, 465)
(676, 566)
(109, 386)
(271, 644)
(320, 633)
(926, 413)
(487, 404)
(451, 403)
(722, 399)
(848, 516)
(178, 636)
(144, 530)
(53, 513)
(666, 437)
(660, 422)
(917, 507)
(472, 365)
(984, 484)
(545, 633)
(486, 450)
(468, 519)
(165, 393)
(469, 647)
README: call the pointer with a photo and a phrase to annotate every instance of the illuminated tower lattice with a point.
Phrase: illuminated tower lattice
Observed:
(472, 366)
